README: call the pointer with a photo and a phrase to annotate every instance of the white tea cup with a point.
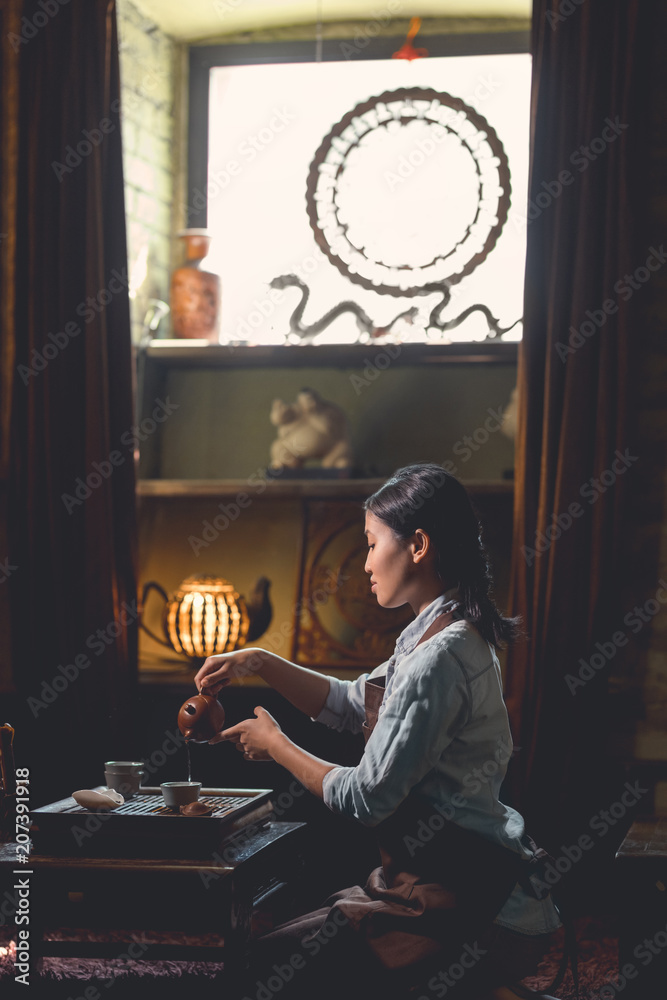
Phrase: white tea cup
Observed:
(179, 793)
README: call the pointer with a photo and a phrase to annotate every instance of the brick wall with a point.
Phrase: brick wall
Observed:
(150, 80)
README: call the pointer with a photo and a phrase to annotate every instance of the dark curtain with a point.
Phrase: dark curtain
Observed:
(10, 25)
(72, 476)
(574, 427)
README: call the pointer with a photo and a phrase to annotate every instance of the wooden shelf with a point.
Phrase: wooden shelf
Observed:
(188, 354)
(289, 489)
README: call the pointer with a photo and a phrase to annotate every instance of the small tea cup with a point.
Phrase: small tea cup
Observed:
(179, 793)
(124, 776)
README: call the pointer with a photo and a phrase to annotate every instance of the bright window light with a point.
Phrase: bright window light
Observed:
(266, 123)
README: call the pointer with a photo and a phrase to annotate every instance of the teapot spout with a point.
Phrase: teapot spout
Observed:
(144, 597)
(260, 611)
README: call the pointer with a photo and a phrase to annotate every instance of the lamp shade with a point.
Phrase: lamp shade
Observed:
(206, 616)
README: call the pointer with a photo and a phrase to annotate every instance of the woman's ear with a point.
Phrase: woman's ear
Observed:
(421, 545)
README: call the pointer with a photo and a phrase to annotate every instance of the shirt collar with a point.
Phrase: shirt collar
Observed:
(413, 632)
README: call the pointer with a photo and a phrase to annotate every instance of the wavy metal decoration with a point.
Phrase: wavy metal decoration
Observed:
(307, 332)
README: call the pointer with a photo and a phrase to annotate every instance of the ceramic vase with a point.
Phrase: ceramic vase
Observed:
(195, 292)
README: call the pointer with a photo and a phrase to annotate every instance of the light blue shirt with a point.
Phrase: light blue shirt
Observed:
(442, 730)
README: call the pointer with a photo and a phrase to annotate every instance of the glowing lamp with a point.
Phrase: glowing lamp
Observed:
(203, 617)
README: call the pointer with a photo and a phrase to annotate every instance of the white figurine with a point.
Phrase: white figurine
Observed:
(309, 428)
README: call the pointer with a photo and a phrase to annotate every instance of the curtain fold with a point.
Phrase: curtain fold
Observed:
(575, 457)
(10, 26)
(72, 479)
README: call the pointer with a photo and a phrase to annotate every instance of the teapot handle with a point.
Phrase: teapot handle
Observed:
(144, 596)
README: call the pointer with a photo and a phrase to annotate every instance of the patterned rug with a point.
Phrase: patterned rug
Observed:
(596, 939)
(597, 953)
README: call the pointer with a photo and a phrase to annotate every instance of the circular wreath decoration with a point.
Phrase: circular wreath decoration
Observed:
(379, 202)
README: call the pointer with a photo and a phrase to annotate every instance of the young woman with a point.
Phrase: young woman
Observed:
(452, 910)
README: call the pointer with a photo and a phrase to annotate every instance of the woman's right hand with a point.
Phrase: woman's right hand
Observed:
(218, 671)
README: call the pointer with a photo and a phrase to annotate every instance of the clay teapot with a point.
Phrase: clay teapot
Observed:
(201, 718)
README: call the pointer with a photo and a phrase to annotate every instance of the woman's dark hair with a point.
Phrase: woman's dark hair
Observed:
(427, 497)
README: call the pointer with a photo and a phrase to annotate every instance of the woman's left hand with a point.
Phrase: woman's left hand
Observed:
(253, 737)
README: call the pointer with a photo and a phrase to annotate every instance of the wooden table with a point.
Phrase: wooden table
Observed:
(140, 894)
(642, 877)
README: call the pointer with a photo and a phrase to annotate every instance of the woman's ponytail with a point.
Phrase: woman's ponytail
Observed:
(427, 497)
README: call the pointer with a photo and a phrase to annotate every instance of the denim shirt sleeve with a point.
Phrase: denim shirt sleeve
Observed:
(428, 706)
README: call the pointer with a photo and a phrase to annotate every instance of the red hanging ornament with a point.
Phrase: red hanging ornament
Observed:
(407, 50)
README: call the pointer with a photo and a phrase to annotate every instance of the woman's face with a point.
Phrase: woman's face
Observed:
(390, 564)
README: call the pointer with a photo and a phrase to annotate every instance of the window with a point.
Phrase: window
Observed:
(409, 192)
